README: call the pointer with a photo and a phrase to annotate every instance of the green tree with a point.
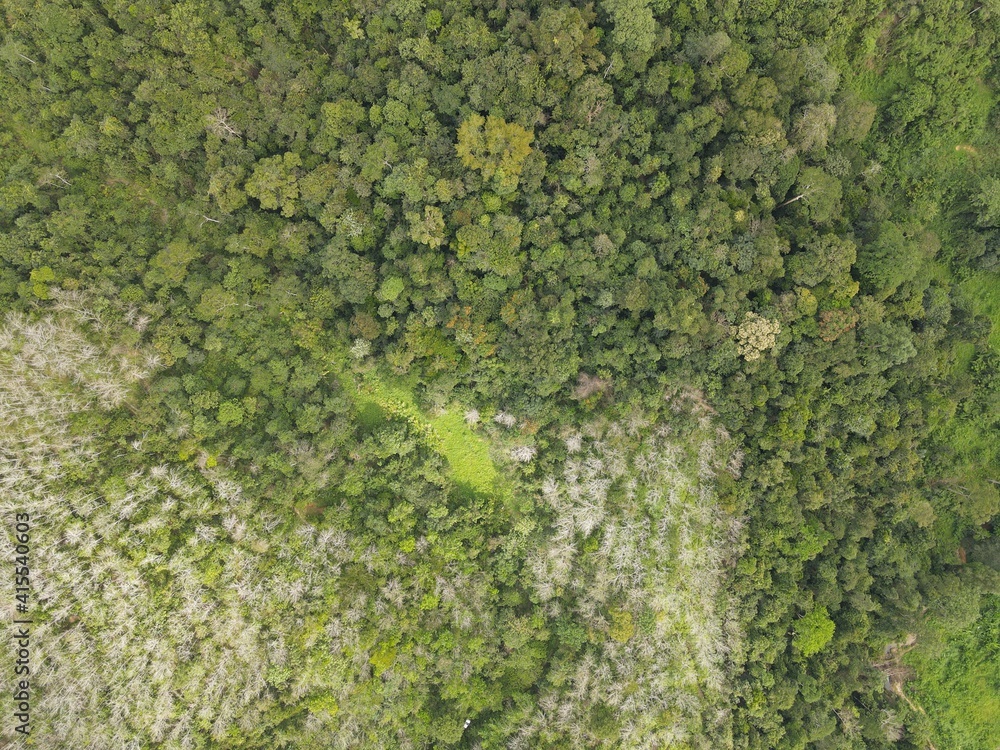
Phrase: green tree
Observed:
(886, 260)
(274, 183)
(819, 192)
(170, 265)
(226, 186)
(825, 258)
(493, 245)
(429, 228)
(633, 29)
(566, 43)
(987, 202)
(813, 631)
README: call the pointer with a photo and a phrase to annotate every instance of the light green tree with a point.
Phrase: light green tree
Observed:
(813, 632)
(496, 148)
(427, 229)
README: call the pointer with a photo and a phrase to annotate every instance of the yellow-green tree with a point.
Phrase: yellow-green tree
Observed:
(496, 148)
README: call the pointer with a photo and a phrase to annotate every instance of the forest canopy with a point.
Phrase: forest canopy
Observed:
(522, 375)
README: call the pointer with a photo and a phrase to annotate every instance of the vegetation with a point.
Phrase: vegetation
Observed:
(543, 374)
(958, 681)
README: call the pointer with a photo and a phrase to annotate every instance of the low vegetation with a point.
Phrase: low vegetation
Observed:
(473, 374)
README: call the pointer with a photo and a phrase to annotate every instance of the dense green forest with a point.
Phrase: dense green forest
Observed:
(452, 373)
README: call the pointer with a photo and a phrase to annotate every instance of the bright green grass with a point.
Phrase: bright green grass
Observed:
(397, 387)
(965, 352)
(878, 85)
(959, 683)
(976, 446)
(982, 290)
(467, 453)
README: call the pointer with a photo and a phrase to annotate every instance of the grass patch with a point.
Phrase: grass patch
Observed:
(982, 290)
(964, 353)
(959, 682)
(878, 85)
(467, 453)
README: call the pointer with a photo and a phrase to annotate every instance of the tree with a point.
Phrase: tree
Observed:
(496, 148)
(565, 42)
(216, 304)
(170, 265)
(855, 118)
(429, 228)
(633, 29)
(274, 183)
(231, 413)
(886, 260)
(820, 192)
(813, 631)
(226, 186)
(825, 258)
(886, 344)
(493, 244)
(814, 126)
(756, 335)
(355, 275)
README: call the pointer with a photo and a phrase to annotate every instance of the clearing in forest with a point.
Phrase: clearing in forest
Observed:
(466, 451)
(982, 289)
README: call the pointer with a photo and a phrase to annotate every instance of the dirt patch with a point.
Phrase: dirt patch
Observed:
(897, 673)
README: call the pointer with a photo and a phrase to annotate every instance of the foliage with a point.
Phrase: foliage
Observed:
(497, 149)
(755, 335)
(957, 678)
(813, 631)
(376, 266)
